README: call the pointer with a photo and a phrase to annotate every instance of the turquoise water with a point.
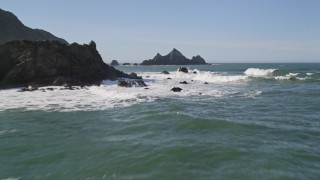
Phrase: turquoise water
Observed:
(261, 123)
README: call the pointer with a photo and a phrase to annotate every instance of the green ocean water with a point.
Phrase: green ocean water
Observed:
(261, 123)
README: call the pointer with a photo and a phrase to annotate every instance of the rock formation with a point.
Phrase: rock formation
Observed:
(176, 89)
(173, 58)
(48, 62)
(11, 28)
(183, 69)
(131, 83)
(114, 63)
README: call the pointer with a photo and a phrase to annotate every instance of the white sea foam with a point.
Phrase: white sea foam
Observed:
(5, 131)
(256, 72)
(290, 76)
(309, 74)
(109, 95)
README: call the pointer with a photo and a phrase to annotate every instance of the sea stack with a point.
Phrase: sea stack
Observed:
(175, 57)
(114, 63)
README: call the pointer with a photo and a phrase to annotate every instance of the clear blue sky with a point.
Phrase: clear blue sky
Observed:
(220, 31)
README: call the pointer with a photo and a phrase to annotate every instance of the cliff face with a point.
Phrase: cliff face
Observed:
(173, 58)
(11, 28)
(42, 62)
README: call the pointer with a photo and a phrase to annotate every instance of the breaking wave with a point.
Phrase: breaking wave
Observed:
(256, 72)
(200, 85)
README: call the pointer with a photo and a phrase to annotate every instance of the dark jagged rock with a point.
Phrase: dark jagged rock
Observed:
(173, 58)
(134, 76)
(183, 69)
(126, 64)
(176, 89)
(183, 82)
(165, 72)
(206, 83)
(60, 81)
(131, 83)
(114, 63)
(13, 29)
(43, 62)
(197, 60)
(168, 78)
(194, 72)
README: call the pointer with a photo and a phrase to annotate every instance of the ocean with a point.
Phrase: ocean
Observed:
(231, 121)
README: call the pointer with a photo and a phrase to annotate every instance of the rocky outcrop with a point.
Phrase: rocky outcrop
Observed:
(173, 58)
(131, 83)
(197, 60)
(184, 82)
(126, 64)
(13, 29)
(114, 63)
(176, 89)
(183, 69)
(51, 62)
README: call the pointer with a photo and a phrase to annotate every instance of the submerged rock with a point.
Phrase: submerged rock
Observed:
(176, 89)
(165, 72)
(183, 69)
(131, 83)
(134, 76)
(29, 88)
(183, 82)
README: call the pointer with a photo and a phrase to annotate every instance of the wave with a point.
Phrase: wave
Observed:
(256, 72)
(201, 85)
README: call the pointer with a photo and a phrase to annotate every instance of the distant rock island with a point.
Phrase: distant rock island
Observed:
(53, 63)
(114, 63)
(11, 28)
(174, 58)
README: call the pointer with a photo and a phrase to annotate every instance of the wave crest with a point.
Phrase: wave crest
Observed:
(256, 72)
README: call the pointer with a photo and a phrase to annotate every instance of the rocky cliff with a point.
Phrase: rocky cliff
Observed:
(43, 62)
(175, 57)
(11, 28)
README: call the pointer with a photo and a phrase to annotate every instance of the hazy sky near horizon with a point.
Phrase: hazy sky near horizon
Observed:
(218, 30)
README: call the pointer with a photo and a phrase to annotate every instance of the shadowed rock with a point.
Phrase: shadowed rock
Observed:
(131, 83)
(114, 63)
(46, 62)
(176, 89)
(183, 69)
(165, 72)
